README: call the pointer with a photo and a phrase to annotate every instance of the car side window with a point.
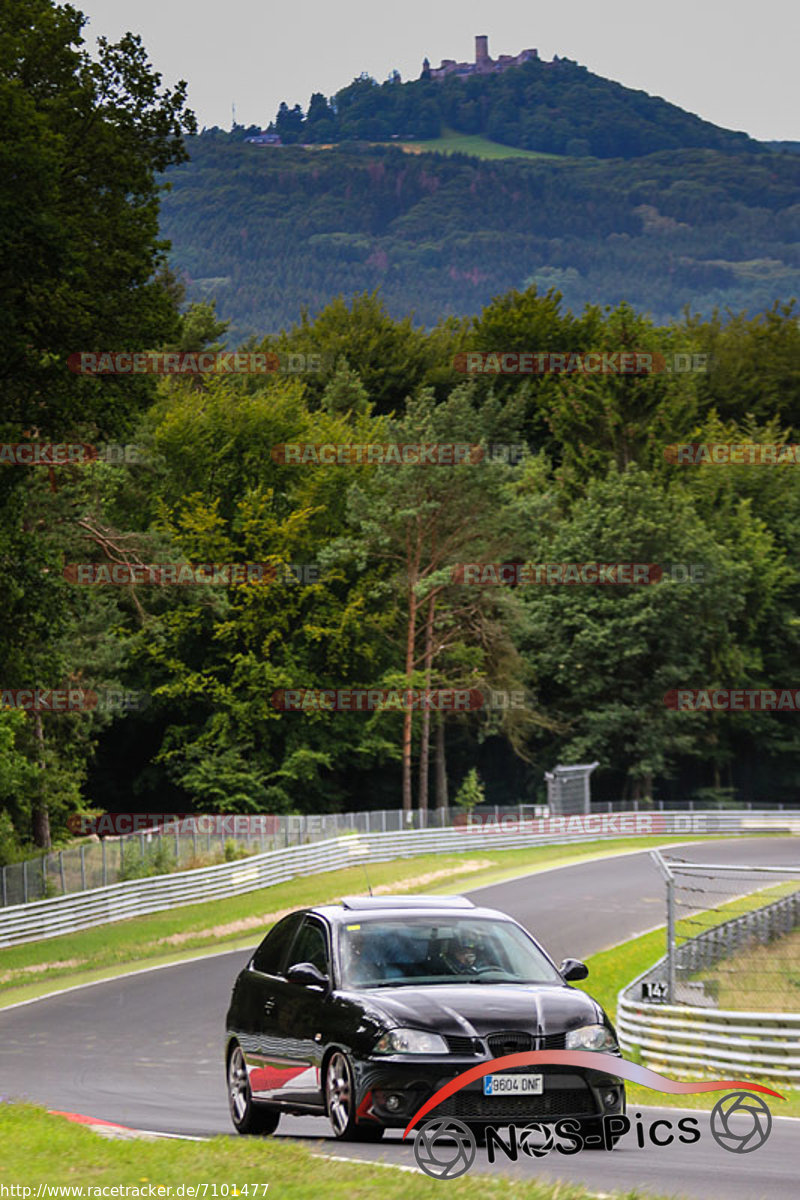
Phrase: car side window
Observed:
(311, 946)
(270, 957)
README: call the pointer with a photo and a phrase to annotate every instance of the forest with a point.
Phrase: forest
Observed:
(190, 573)
(266, 232)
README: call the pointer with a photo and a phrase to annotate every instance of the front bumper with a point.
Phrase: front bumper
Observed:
(391, 1090)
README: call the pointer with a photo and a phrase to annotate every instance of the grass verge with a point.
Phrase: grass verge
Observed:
(239, 922)
(39, 1148)
(760, 978)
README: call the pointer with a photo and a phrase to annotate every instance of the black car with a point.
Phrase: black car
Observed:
(361, 1010)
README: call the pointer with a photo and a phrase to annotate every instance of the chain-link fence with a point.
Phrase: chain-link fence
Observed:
(733, 937)
(203, 840)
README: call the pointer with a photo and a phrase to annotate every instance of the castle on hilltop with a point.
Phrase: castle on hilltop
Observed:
(483, 65)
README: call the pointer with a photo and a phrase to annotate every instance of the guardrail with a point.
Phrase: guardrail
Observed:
(685, 1040)
(126, 844)
(115, 859)
(67, 914)
(695, 1038)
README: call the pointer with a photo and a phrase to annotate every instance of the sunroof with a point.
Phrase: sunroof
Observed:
(406, 902)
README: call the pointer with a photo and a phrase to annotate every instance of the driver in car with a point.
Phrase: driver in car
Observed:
(464, 956)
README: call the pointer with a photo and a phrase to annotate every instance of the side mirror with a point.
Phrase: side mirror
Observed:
(307, 974)
(573, 969)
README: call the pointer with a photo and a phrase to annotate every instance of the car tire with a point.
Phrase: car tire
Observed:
(340, 1102)
(247, 1116)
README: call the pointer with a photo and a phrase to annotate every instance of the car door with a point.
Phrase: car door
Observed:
(306, 1013)
(260, 1002)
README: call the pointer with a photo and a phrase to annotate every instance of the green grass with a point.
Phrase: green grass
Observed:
(41, 1148)
(759, 979)
(477, 145)
(39, 967)
(474, 144)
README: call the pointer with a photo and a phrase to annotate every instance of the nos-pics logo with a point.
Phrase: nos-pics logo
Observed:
(445, 1148)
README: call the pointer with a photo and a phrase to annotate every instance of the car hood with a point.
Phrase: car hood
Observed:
(475, 1009)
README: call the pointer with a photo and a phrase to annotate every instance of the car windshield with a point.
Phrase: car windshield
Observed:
(393, 952)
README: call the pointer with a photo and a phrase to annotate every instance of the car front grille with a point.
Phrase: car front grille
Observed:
(509, 1043)
(517, 1041)
(552, 1041)
(459, 1044)
(558, 1102)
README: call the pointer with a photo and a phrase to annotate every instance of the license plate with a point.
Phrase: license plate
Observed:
(513, 1085)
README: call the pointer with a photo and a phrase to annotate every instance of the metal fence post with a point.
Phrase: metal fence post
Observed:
(25, 881)
(44, 876)
(105, 863)
(5, 889)
(670, 941)
(83, 866)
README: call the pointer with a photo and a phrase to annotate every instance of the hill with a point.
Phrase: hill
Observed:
(557, 107)
(268, 231)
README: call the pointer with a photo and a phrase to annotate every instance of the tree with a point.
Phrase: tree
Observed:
(423, 520)
(289, 123)
(83, 139)
(215, 658)
(390, 357)
(471, 792)
(600, 419)
(607, 657)
(82, 267)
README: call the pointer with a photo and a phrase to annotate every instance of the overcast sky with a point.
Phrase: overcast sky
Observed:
(733, 62)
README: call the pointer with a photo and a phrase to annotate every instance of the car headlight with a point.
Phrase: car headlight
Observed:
(411, 1041)
(591, 1037)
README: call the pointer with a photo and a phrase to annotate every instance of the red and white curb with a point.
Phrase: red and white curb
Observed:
(110, 1129)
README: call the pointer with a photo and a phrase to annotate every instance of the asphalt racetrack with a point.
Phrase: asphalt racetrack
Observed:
(146, 1050)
